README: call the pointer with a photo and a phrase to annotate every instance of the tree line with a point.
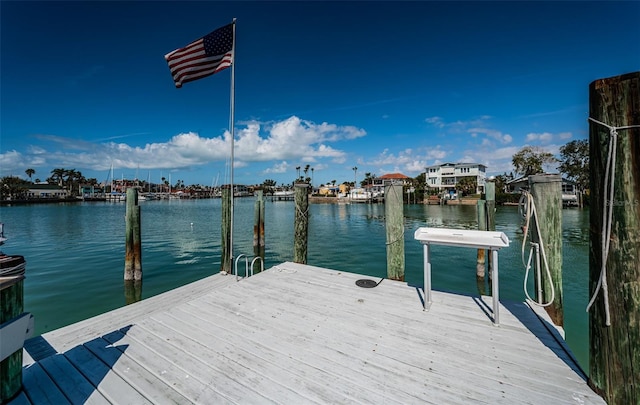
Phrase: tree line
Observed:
(14, 187)
(573, 163)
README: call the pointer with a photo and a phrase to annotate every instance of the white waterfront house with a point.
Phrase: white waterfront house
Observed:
(569, 189)
(446, 176)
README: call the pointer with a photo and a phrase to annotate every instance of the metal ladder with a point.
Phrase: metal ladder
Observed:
(248, 270)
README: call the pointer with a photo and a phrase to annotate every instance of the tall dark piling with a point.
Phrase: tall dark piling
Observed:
(614, 260)
(301, 223)
(258, 227)
(394, 224)
(225, 240)
(11, 307)
(546, 191)
(133, 245)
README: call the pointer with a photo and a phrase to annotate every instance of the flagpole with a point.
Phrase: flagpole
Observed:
(232, 130)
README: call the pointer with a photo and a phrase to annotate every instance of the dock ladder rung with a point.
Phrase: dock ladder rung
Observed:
(248, 269)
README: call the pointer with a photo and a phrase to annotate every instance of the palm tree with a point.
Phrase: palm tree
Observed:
(367, 179)
(355, 176)
(30, 172)
(56, 175)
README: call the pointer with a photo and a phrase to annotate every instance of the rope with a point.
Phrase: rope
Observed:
(303, 213)
(607, 216)
(17, 270)
(528, 210)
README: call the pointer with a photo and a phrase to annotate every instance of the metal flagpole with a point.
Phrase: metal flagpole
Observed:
(232, 129)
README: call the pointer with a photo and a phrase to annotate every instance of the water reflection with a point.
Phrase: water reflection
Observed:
(75, 253)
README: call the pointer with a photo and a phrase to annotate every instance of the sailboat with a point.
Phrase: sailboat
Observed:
(114, 196)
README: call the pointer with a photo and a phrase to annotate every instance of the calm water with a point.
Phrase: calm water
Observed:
(75, 252)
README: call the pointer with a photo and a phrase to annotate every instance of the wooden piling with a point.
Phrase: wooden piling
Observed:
(225, 240)
(301, 223)
(11, 306)
(614, 352)
(258, 228)
(546, 190)
(133, 245)
(482, 226)
(394, 224)
(490, 196)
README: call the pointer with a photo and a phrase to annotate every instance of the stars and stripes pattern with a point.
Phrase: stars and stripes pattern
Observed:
(204, 57)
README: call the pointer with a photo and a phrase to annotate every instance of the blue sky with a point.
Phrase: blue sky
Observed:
(382, 86)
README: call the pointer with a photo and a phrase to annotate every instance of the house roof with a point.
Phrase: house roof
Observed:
(461, 164)
(394, 176)
(44, 187)
(526, 179)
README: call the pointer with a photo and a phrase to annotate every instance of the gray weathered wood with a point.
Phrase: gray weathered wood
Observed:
(546, 191)
(133, 243)
(615, 350)
(258, 228)
(304, 334)
(301, 223)
(482, 226)
(41, 389)
(394, 226)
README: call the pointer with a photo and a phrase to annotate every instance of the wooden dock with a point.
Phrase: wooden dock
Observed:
(298, 334)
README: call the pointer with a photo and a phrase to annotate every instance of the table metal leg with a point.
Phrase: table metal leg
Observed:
(495, 288)
(427, 279)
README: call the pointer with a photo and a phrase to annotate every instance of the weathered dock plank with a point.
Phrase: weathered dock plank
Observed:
(302, 334)
(69, 336)
(41, 389)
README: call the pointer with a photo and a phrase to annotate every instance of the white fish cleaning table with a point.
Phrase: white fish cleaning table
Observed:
(489, 240)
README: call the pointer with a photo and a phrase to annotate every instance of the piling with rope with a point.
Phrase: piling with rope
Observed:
(301, 223)
(614, 259)
(12, 270)
(545, 208)
(490, 207)
(133, 244)
(225, 240)
(394, 225)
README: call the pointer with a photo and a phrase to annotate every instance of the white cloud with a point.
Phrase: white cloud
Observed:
(547, 137)
(544, 137)
(436, 121)
(281, 167)
(292, 139)
(409, 161)
(491, 133)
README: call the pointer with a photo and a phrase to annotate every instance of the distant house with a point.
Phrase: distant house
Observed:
(45, 190)
(377, 184)
(90, 191)
(446, 176)
(569, 189)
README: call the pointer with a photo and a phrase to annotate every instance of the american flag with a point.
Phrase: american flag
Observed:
(204, 57)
